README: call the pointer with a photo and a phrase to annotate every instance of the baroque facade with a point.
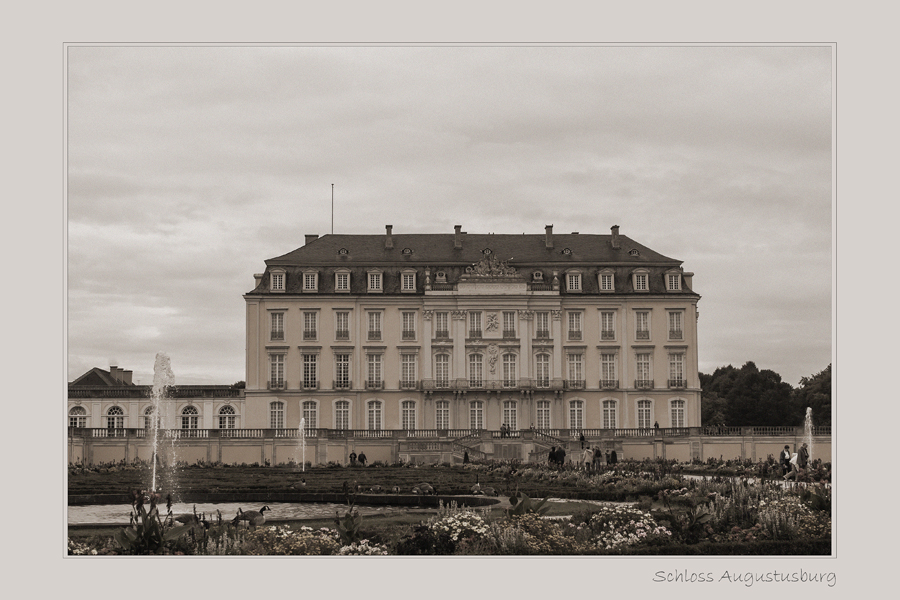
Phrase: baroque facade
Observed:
(436, 332)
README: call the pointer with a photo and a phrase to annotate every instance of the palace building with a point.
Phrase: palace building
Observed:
(472, 332)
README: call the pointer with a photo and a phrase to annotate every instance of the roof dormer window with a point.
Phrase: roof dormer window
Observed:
(606, 280)
(310, 281)
(375, 283)
(673, 281)
(640, 279)
(276, 280)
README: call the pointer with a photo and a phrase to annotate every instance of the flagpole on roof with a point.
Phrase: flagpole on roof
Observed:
(332, 209)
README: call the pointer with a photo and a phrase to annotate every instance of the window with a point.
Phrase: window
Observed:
(310, 322)
(374, 379)
(573, 282)
(542, 370)
(608, 378)
(576, 414)
(677, 413)
(374, 325)
(408, 282)
(342, 371)
(640, 281)
(642, 325)
(342, 414)
(676, 370)
(476, 415)
(644, 414)
(276, 415)
(276, 371)
(510, 410)
(575, 369)
(574, 325)
(407, 371)
(374, 282)
(342, 281)
(474, 324)
(342, 325)
(542, 325)
(673, 282)
(607, 283)
(509, 324)
(543, 414)
(375, 422)
(277, 325)
(310, 414)
(227, 417)
(78, 417)
(476, 370)
(607, 325)
(442, 325)
(310, 282)
(408, 415)
(642, 371)
(277, 281)
(148, 419)
(609, 414)
(442, 370)
(676, 318)
(509, 370)
(190, 418)
(409, 325)
(310, 371)
(115, 418)
(442, 414)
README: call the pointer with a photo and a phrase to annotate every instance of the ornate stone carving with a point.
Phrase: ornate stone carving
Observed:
(427, 314)
(489, 266)
(557, 314)
(492, 322)
(458, 315)
(526, 315)
(493, 352)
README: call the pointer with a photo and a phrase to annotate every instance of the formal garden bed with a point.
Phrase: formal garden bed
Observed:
(648, 507)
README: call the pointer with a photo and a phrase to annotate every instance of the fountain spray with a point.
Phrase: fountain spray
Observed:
(163, 378)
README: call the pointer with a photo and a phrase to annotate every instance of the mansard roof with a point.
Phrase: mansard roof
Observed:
(99, 377)
(439, 249)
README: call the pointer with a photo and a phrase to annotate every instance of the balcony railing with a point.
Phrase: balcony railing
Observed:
(509, 334)
(575, 335)
(275, 385)
(309, 384)
(609, 384)
(442, 334)
(642, 335)
(475, 383)
(374, 335)
(575, 384)
(510, 383)
(342, 385)
(542, 334)
(474, 333)
(342, 334)
(676, 334)
(542, 383)
(374, 384)
(277, 335)
(309, 334)
(409, 335)
(607, 335)
(643, 384)
(677, 383)
(409, 384)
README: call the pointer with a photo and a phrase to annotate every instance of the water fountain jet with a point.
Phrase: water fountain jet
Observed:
(808, 431)
(163, 378)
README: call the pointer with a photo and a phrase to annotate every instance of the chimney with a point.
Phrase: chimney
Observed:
(311, 237)
(689, 280)
(615, 237)
(114, 372)
(258, 278)
(388, 240)
(549, 238)
(126, 377)
(457, 240)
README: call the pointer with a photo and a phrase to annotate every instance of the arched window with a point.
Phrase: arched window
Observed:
(476, 415)
(543, 414)
(609, 414)
(510, 411)
(190, 418)
(342, 414)
(276, 415)
(442, 414)
(78, 417)
(645, 414)
(310, 414)
(115, 418)
(147, 417)
(375, 421)
(677, 413)
(542, 371)
(408, 414)
(227, 418)
(576, 414)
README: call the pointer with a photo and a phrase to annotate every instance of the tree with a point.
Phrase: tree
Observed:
(747, 397)
(814, 392)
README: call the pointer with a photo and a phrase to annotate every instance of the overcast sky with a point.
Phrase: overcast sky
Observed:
(189, 166)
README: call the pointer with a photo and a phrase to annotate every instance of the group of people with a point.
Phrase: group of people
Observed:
(360, 460)
(591, 458)
(504, 430)
(793, 465)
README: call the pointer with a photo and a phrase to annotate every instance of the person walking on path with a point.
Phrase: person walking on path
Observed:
(362, 458)
(613, 458)
(794, 470)
(785, 460)
(352, 459)
(598, 458)
(586, 457)
(581, 439)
